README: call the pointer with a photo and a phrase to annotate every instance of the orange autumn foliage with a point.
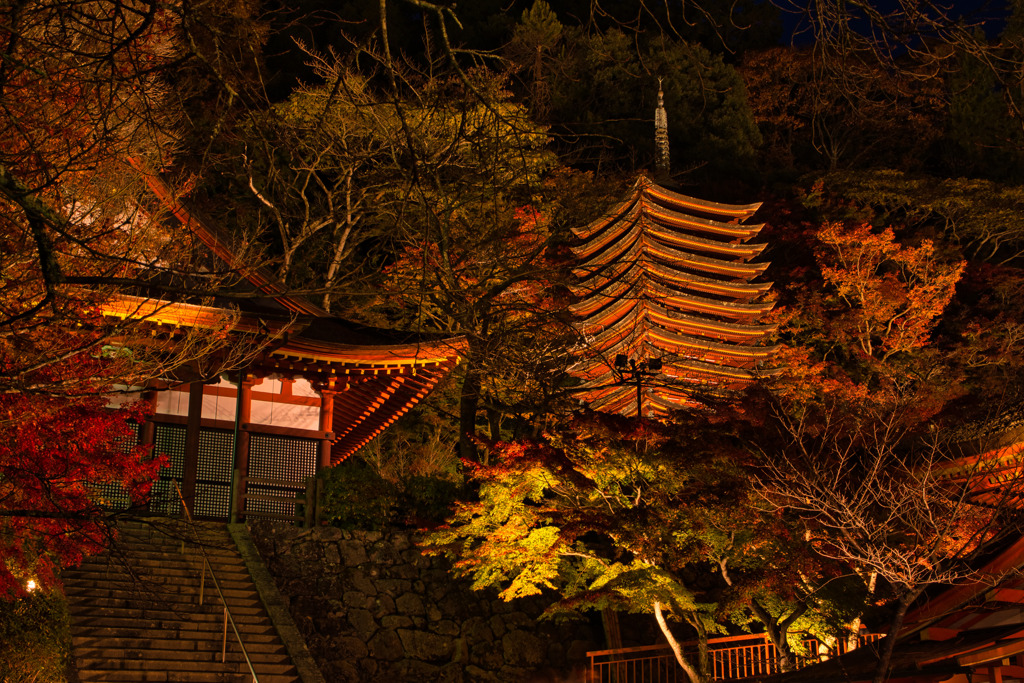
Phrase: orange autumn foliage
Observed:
(893, 294)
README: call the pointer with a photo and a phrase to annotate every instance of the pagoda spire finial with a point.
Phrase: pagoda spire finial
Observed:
(661, 133)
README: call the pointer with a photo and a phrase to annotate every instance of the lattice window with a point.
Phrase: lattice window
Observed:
(170, 441)
(213, 475)
(284, 458)
(289, 460)
(111, 495)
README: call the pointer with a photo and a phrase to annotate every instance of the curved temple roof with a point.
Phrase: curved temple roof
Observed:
(666, 276)
(375, 377)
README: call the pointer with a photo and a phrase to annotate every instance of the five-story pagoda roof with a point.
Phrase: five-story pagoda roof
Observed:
(667, 277)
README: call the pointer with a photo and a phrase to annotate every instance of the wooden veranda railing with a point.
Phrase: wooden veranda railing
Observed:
(280, 500)
(731, 658)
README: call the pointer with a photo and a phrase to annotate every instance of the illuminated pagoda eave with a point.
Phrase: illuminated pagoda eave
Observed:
(668, 277)
(629, 271)
(616, 292)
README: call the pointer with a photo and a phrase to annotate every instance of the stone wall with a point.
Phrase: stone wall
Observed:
(373, 608)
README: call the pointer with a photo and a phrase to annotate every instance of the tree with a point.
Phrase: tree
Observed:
(892, 294)
(59, 460)
(808, 119)
(981, 217)
(83, 111)
(86, 261)
(605, 93)
(317, 165)
(636, 517)
(851, 441)
(475, 249)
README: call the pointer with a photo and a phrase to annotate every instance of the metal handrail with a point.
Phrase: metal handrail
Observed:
(216, 584)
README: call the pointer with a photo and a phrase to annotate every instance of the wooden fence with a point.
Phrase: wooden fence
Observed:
(280, 500)
(731, 658)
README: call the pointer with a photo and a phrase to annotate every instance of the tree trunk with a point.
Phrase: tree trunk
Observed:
(778, 632)
(882, 672)
(494, 423)
(703, 656)
(677, 649)
(468, 401)
(853, 632)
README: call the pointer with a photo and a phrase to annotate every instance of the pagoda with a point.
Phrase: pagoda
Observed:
(668, 306)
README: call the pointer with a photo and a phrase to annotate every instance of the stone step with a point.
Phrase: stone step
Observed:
(159, 562)
(101, 598)
(182, 622)
(211, 545)
(154, 556)
(176, 660)
(120, 676)
(235, 664)
(206, 612)
(189, 638)
(135, 613)
(179, 645)
(88, 586)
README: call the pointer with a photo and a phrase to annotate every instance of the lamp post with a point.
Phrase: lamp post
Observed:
(628, 370)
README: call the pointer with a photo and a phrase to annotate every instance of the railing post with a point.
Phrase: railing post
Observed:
(224, 642)
(318, 501)
(202, 583)
(308, 509)
(240, 489)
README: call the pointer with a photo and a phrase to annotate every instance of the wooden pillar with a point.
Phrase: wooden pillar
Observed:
(326, 426)
(243, 417)
(195, 416)
(147, 433)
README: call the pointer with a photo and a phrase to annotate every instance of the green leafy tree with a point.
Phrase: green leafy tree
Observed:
(632, 517)
(981, 217)
(474, 237)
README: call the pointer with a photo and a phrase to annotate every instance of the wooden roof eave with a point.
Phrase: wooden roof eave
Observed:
(631, 271)
(669, 346)
(369, 409)
(637, 246)
(702, 225)
(412, 354)
(672, 370)
(600, 301)
(677, 240)
(635, 312)
(740, 271)
(626, 225)
(630, 251)
(744, 334)
(632, 197)
(157, 312)
(1006, 563)
(741, 332)
(639, 218)
(687, 369)
(616, 401)
(667, 402)
(686, 203)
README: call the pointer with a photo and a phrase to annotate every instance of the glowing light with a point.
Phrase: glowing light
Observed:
(31, 585)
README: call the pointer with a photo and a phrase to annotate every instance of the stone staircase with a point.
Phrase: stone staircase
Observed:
(135, 613)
